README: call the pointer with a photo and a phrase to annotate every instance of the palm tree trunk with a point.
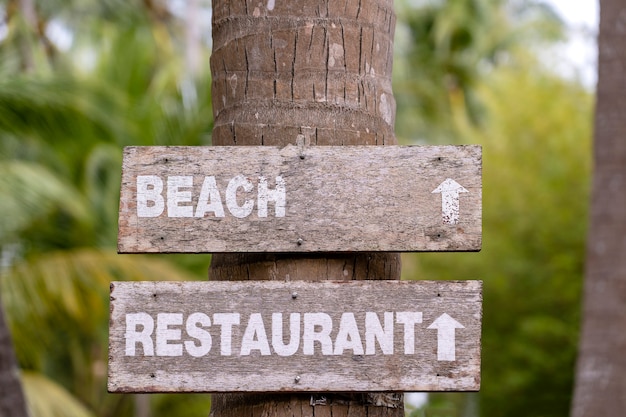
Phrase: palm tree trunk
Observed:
(600, 384)
(12, 402)
(27, 12)
(313, 73)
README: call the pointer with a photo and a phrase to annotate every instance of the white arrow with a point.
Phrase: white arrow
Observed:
(446, 337)
(450, 190)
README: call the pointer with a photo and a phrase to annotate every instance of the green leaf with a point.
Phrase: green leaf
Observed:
(31, 191)
(45, 398)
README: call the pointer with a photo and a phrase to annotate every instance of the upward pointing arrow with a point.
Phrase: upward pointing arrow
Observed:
(446, 337)
(450, 190)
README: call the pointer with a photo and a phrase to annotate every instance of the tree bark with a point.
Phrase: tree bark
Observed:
(26, 11)
(12, 401)
(600, 384)
(308, 73)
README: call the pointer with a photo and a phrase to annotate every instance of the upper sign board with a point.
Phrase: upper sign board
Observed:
(301, 199)
(264, 336)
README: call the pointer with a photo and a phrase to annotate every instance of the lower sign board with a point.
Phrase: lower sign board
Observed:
(302, 336)
(300, 199)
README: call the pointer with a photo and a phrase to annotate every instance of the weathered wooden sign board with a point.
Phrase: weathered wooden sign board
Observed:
(295, 336)
(300, 199)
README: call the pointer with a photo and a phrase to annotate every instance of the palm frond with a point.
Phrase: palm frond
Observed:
(60, 109)
(29, 192)
(45, 398)
(64, 295)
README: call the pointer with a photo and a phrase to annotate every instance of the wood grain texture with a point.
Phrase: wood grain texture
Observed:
(255, 371)
(317, 68)
(330, 83)
(338, 199)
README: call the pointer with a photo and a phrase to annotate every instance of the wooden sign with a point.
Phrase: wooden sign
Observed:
(300, 199)
(295, 336)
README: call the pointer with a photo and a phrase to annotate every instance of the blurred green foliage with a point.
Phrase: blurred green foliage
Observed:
(535, 129)
(536, 157)
(465, 72)
(65, 115)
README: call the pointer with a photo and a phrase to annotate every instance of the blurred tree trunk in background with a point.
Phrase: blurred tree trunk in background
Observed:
(12, 402)
(314, 73)
(26, 9)
(600, 382)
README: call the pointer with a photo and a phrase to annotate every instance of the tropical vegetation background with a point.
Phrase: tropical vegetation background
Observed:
(80, 79)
